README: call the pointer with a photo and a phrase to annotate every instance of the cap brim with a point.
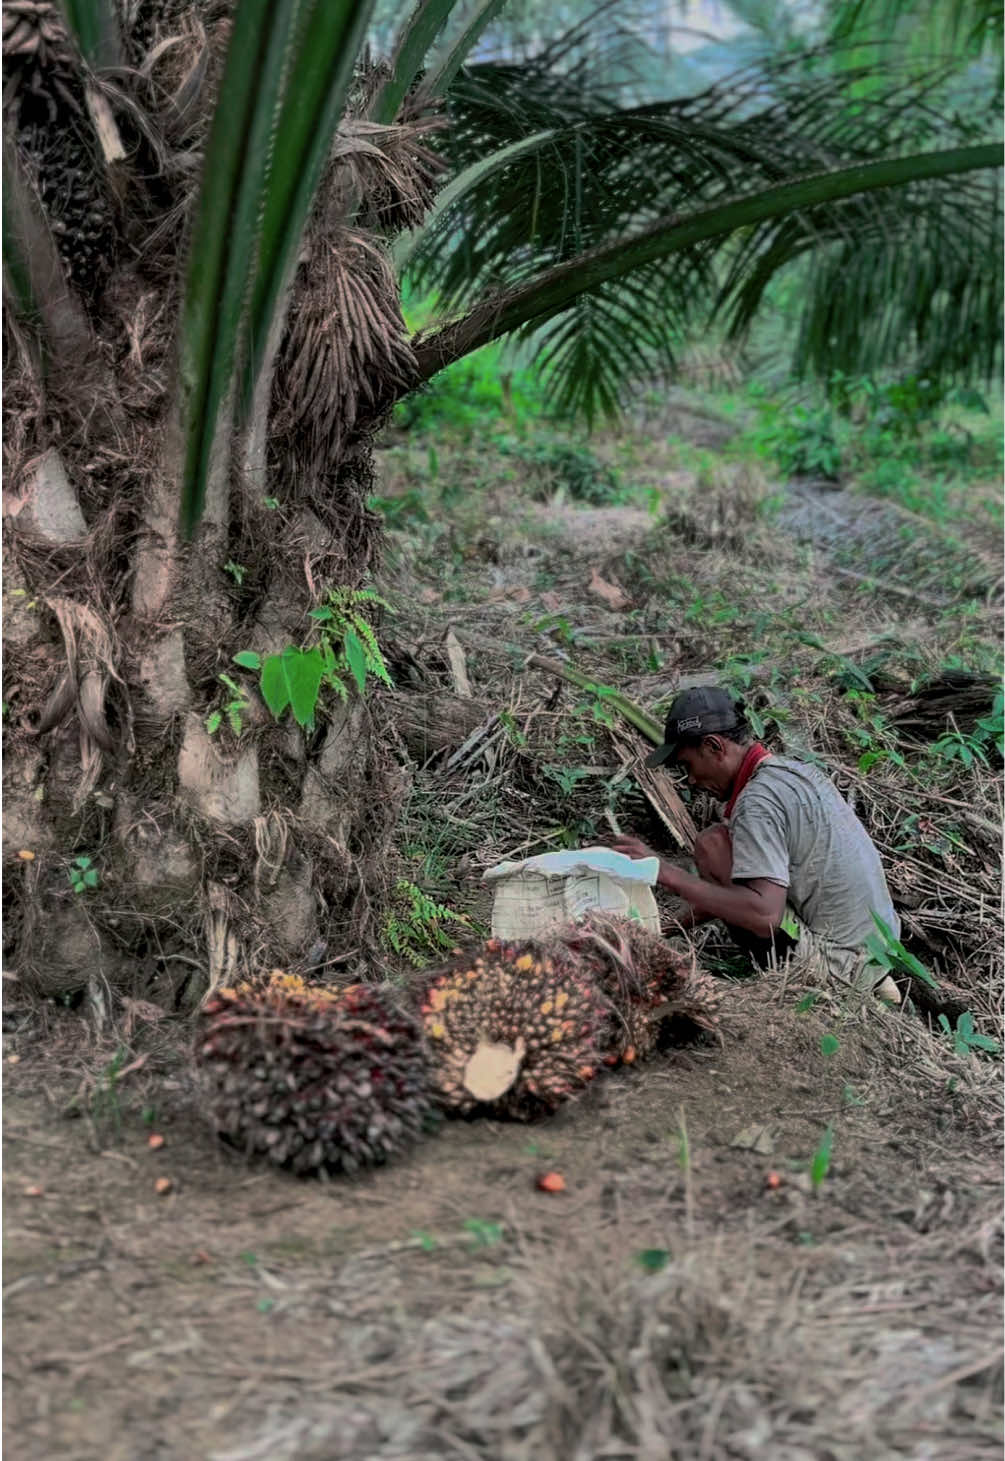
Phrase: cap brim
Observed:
(662, 754)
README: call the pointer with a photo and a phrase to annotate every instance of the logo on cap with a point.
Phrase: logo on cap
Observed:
(692, 723)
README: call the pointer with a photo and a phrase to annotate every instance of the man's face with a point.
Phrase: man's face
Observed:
(706, 767)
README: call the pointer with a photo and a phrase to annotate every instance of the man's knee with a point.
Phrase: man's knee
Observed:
(713, 854)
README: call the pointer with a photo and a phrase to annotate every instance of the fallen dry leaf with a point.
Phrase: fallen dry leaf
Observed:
(201, 1256)
(25, 855)
(13, 1059)
(613, 595)
(430, 596)
(551, 601)
(518, 595)
(34, 1192)
(155, 1140)
(163, 1186)
(756, 1138)
(551, 1182)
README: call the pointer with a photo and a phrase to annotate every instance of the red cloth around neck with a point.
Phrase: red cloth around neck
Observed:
(755, 755)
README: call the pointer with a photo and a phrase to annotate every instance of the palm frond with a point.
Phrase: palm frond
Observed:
(287, 70)
(94, 25)
(591, 181)
(410, 52)
(544, 295)
(445, 63)
(965, 27)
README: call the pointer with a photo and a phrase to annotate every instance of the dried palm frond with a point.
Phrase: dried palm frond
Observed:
(647, 983)
(345, 356)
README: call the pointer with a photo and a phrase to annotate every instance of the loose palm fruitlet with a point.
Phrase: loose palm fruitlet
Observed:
(319, 1080)
(513, 1027)
(649, 985)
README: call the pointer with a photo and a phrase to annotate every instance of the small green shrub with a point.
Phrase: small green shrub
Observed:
(553, 464)
(418, 928)
(347, 646)
(965, 1038)
(802, 442)
(83, 874)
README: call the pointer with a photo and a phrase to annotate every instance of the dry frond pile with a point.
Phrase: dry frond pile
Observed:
(314, 1078)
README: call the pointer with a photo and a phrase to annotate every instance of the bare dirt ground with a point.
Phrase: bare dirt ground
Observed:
(444, 1306)
(691, 1294)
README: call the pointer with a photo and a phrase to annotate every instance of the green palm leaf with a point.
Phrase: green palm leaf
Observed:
(94, 25)
(287, 70)
(590, 183)
(544, 295)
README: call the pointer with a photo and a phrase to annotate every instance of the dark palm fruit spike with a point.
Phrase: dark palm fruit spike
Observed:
(44, 104)
(313, 1078)
(531, 1001)
(646, 982)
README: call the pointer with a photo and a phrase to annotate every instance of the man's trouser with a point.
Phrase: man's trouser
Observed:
(852, 967)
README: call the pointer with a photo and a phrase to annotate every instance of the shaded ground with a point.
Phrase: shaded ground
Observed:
(690, 1295)
(446, 1307)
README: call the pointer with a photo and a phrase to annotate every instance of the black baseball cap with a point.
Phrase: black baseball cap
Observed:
(702, 711)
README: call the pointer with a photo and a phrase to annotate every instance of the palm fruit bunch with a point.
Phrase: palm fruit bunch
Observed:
(317, 1079)
(647, 984)
(45, 112)
(512, 1026)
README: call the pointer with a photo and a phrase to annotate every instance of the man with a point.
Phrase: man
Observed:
(791, 863)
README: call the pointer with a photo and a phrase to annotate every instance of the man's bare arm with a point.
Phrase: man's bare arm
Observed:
(757, 905)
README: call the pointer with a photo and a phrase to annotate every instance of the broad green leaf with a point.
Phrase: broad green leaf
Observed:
(234, 717)
(274, 685)
(323, 614)
(293, 679)
(829, 1044)
(248, 659)
(355, 656)
(806, 1002)
(652, 1260)
(214, 721)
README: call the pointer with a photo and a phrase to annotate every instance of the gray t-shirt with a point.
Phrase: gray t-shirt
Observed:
(792, 826)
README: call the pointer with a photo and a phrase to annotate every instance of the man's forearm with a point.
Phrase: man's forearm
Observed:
(741, 906)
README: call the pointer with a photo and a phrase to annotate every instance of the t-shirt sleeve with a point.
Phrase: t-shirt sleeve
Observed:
(760, 849)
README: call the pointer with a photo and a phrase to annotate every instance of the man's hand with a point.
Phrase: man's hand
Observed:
(632, 847)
